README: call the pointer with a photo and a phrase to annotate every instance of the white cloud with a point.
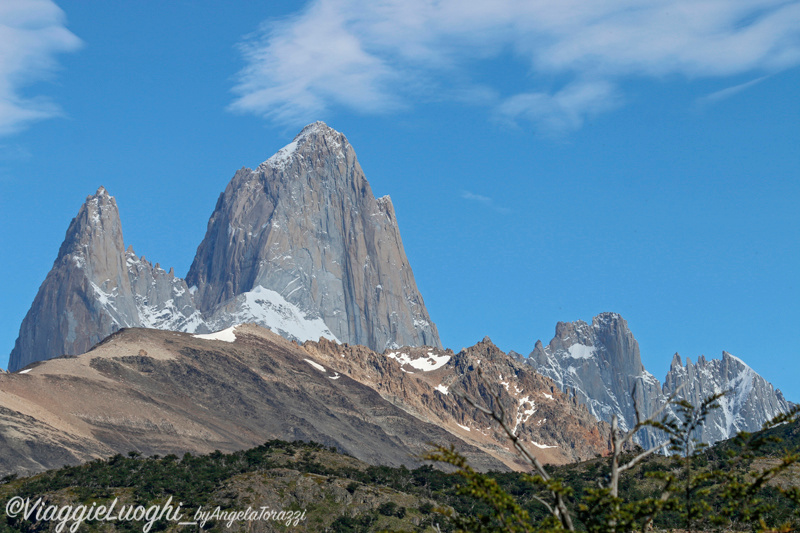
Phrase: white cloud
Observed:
(375, 57)
(564, 111)
(31, 33)
(484, 200)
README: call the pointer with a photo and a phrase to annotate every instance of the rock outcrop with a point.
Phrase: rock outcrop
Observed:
(750, 400)
(601, 366)
(430, 383)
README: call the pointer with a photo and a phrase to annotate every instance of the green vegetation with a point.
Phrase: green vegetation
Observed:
(744, 484)
(751, 483)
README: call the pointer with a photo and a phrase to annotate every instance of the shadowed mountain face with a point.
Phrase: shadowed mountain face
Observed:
(300, 245)
(160, 392)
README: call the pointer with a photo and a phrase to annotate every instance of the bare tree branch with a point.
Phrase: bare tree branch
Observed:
(559, 510)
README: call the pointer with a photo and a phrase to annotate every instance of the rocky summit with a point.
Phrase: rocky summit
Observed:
(97, 287)
(304, 231)
(750, 400)
(600, 364)
(299, 245)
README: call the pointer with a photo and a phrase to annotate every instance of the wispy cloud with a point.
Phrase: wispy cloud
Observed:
(726, 93)
(377, 57)
(485, 201)
(32, 32)
(562, 112)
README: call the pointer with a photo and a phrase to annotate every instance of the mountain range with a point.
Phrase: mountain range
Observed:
(600, 364)
(301, 246)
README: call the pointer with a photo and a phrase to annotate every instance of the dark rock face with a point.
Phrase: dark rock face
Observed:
(601, 366)
(305, 226)
(299, 245)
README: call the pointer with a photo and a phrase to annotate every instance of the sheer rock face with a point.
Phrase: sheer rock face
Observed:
(750, 402)
(299, 245)
(600, 364)
(86, 295)
(96, 288)
(305, 226)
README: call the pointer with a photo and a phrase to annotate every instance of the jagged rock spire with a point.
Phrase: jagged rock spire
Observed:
(95, 288)
(67, 315)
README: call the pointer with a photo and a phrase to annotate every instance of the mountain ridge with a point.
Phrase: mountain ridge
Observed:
(162, 392)
(601, 365)
(353, 282)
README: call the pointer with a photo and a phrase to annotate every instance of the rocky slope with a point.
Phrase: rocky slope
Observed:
(426, 382)
(299, 245)
(161, 392)
(600, 365)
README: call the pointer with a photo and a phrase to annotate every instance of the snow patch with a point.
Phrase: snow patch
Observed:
(226, 335)
(268, 308)
(24, 371)
(542, 446)
(315, 365)
(424, 363)
(465, 428)
(524, 415)
(282, 157)
(441, 388)
(581, 351)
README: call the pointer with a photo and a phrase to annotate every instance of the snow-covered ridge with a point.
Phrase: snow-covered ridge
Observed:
(282, 157)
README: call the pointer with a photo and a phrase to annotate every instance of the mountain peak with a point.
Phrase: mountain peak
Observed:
(728, 358)
(306, 226)
(311, 137)
(609, 319)
(316, 127)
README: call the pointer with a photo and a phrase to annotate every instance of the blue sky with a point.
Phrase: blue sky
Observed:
(547, 161)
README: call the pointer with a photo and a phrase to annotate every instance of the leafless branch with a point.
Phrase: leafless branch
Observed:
(559, 510)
